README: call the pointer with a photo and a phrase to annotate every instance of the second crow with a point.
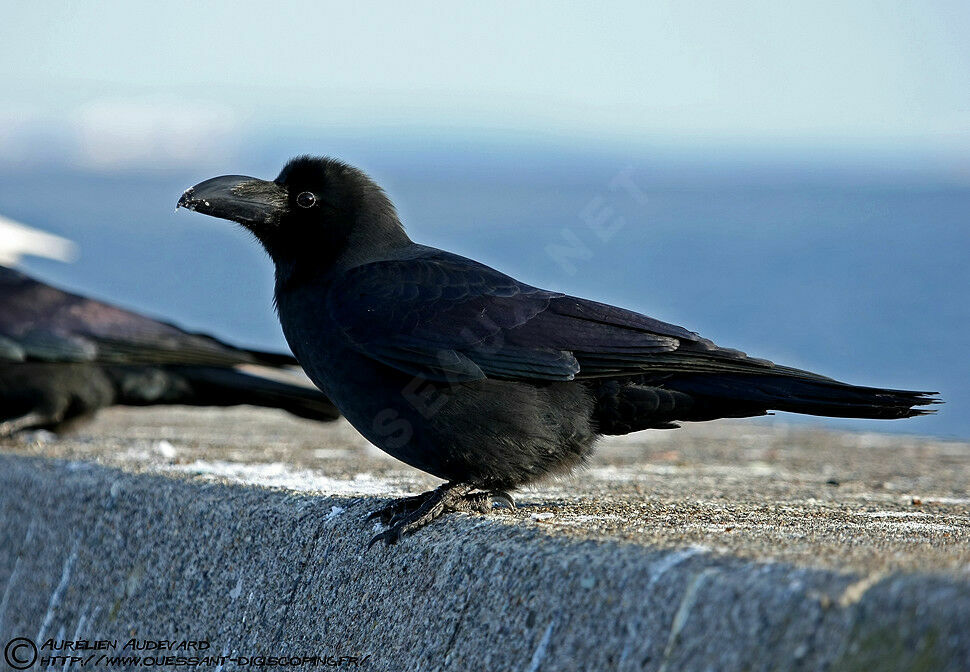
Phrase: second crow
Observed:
(64, 356)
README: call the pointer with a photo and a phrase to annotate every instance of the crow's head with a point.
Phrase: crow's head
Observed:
(316, 211)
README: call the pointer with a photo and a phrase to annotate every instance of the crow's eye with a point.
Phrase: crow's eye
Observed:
(306, 200)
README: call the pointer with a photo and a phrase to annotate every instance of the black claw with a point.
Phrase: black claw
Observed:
(380, 514)
(503, 498)
(389, 537)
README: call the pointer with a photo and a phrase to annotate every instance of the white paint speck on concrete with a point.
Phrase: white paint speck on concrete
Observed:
(166, 449)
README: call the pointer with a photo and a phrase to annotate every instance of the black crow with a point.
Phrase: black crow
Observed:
(63, 356)
(469, 374)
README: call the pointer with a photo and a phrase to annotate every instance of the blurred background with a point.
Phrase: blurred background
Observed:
(791, 179)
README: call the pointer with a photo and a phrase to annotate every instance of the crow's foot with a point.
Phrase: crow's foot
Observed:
(28, 421)
(412, 513)
(399, 507)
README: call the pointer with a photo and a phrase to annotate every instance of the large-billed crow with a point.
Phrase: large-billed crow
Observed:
(469, 374)
(63, 356)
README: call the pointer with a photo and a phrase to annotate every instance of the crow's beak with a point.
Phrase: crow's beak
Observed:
(253, 203)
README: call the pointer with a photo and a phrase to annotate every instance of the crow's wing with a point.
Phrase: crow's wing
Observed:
(40, 322)
(445, 317)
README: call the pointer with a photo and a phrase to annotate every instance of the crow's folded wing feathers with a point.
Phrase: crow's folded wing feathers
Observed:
(43, 323)
(448, 318)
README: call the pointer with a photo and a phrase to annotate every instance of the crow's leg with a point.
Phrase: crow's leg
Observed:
(413, 513)
(26, 421)
(398, 507)
(446, 498)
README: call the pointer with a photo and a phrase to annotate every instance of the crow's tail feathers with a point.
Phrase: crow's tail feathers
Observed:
(229, 387)
(274, 359)
(624, 407)
(810, 397)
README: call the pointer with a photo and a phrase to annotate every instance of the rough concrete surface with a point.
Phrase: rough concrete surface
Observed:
(724, 546)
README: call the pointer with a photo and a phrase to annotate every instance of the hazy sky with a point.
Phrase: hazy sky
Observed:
(863, 73)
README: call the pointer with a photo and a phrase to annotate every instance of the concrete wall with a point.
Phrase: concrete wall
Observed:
(89, 552)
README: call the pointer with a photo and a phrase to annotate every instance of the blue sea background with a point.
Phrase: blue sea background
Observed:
(855, 268)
